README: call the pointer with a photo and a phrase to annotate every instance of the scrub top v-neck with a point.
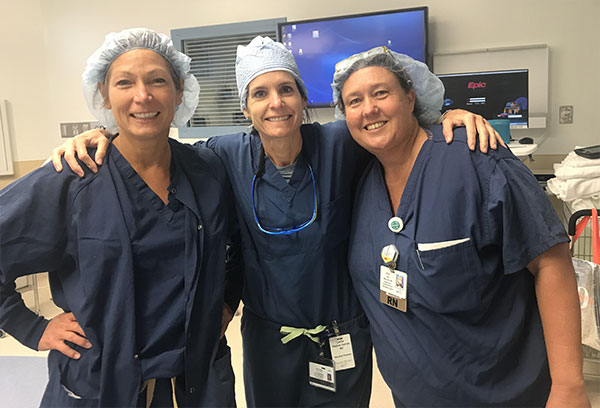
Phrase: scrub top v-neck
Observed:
(158, 243)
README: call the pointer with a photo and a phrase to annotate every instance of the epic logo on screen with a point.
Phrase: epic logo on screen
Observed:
(476, 85)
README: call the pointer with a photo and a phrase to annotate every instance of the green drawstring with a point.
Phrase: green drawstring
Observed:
(294, 332)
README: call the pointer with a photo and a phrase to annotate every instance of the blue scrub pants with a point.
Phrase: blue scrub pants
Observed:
(276, 374)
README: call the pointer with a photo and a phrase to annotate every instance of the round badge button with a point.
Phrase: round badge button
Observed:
(395, 224)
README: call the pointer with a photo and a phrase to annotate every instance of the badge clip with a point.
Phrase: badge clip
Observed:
(336, 329)
(389, 254)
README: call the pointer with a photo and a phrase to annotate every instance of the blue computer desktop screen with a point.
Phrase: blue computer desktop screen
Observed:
(319, 45)
(493, 95)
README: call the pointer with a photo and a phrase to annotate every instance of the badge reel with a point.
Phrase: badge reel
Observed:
(321, 373)
(341, 348)
(392, 283)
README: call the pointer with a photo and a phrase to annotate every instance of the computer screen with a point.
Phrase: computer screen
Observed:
(319, 44)
(493, 94)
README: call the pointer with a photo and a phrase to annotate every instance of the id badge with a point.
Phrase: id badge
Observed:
(341, 352)
(393, 287)
(321, 374)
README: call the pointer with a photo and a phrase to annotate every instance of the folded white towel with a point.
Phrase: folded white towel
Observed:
(574, 160)
(571, 189)
(565, 171)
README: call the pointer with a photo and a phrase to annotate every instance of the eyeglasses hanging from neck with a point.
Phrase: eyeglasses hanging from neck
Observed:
(281, 230)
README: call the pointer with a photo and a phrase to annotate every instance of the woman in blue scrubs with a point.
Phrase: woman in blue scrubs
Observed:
(476, 307)
(135, 253)
(293, 186)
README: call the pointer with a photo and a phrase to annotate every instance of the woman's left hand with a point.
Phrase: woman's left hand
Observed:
(568, 396)
(474, 125)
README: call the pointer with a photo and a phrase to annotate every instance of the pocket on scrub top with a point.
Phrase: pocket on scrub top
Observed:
(70, 399)
(444, 276)
(78, 379)
(64, 390)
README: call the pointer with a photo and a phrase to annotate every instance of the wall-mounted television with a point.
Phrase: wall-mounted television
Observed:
(319, 44)
(492, 94)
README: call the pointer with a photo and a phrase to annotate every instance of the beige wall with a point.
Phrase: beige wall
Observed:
(23, 76)
(44, 45)
(21, 168)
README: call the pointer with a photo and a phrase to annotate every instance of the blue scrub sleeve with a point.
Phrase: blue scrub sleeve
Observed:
(520, 216)
(361, 157)
(34, 219)
(233, 265)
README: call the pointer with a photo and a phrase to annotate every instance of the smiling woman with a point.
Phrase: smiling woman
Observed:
(478, 308)
(378, 110)
(275, 106)
(135, 252)
(142, 94)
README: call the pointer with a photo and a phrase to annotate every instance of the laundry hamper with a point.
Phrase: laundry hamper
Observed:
(585, 247)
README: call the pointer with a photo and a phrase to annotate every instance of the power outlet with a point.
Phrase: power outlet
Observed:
(74, 128)
(565, 114)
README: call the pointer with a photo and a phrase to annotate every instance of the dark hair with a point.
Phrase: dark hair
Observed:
(176, 79)
(307, 111)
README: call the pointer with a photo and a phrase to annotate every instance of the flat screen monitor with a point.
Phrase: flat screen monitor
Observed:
(319, 44)
(492, 94)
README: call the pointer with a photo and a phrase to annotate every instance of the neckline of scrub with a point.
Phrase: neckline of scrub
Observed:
(272, 175)
(411, 183)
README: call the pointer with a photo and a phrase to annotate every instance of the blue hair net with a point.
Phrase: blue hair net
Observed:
(116, 44)
(260, 56)
(429, 90)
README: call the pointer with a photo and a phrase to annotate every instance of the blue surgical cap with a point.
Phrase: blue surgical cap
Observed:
(116, 44)
(429, 89)
(263, 55)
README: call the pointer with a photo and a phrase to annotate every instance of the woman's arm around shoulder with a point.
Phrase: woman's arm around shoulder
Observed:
(475, 125)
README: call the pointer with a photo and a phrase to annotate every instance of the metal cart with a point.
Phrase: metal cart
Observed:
(581, 248)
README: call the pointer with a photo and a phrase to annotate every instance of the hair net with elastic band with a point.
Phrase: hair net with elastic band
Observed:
(429, 90)
(116, 44)
(260, 56)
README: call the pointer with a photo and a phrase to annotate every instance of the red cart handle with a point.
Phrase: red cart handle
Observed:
(595, 237)
(581, 225)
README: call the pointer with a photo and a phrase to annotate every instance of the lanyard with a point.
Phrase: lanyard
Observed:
(281, 230)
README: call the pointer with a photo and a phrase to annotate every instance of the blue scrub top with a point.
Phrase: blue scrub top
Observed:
(158, 242)
(472, 333)
(301, 279)
(79, 230)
